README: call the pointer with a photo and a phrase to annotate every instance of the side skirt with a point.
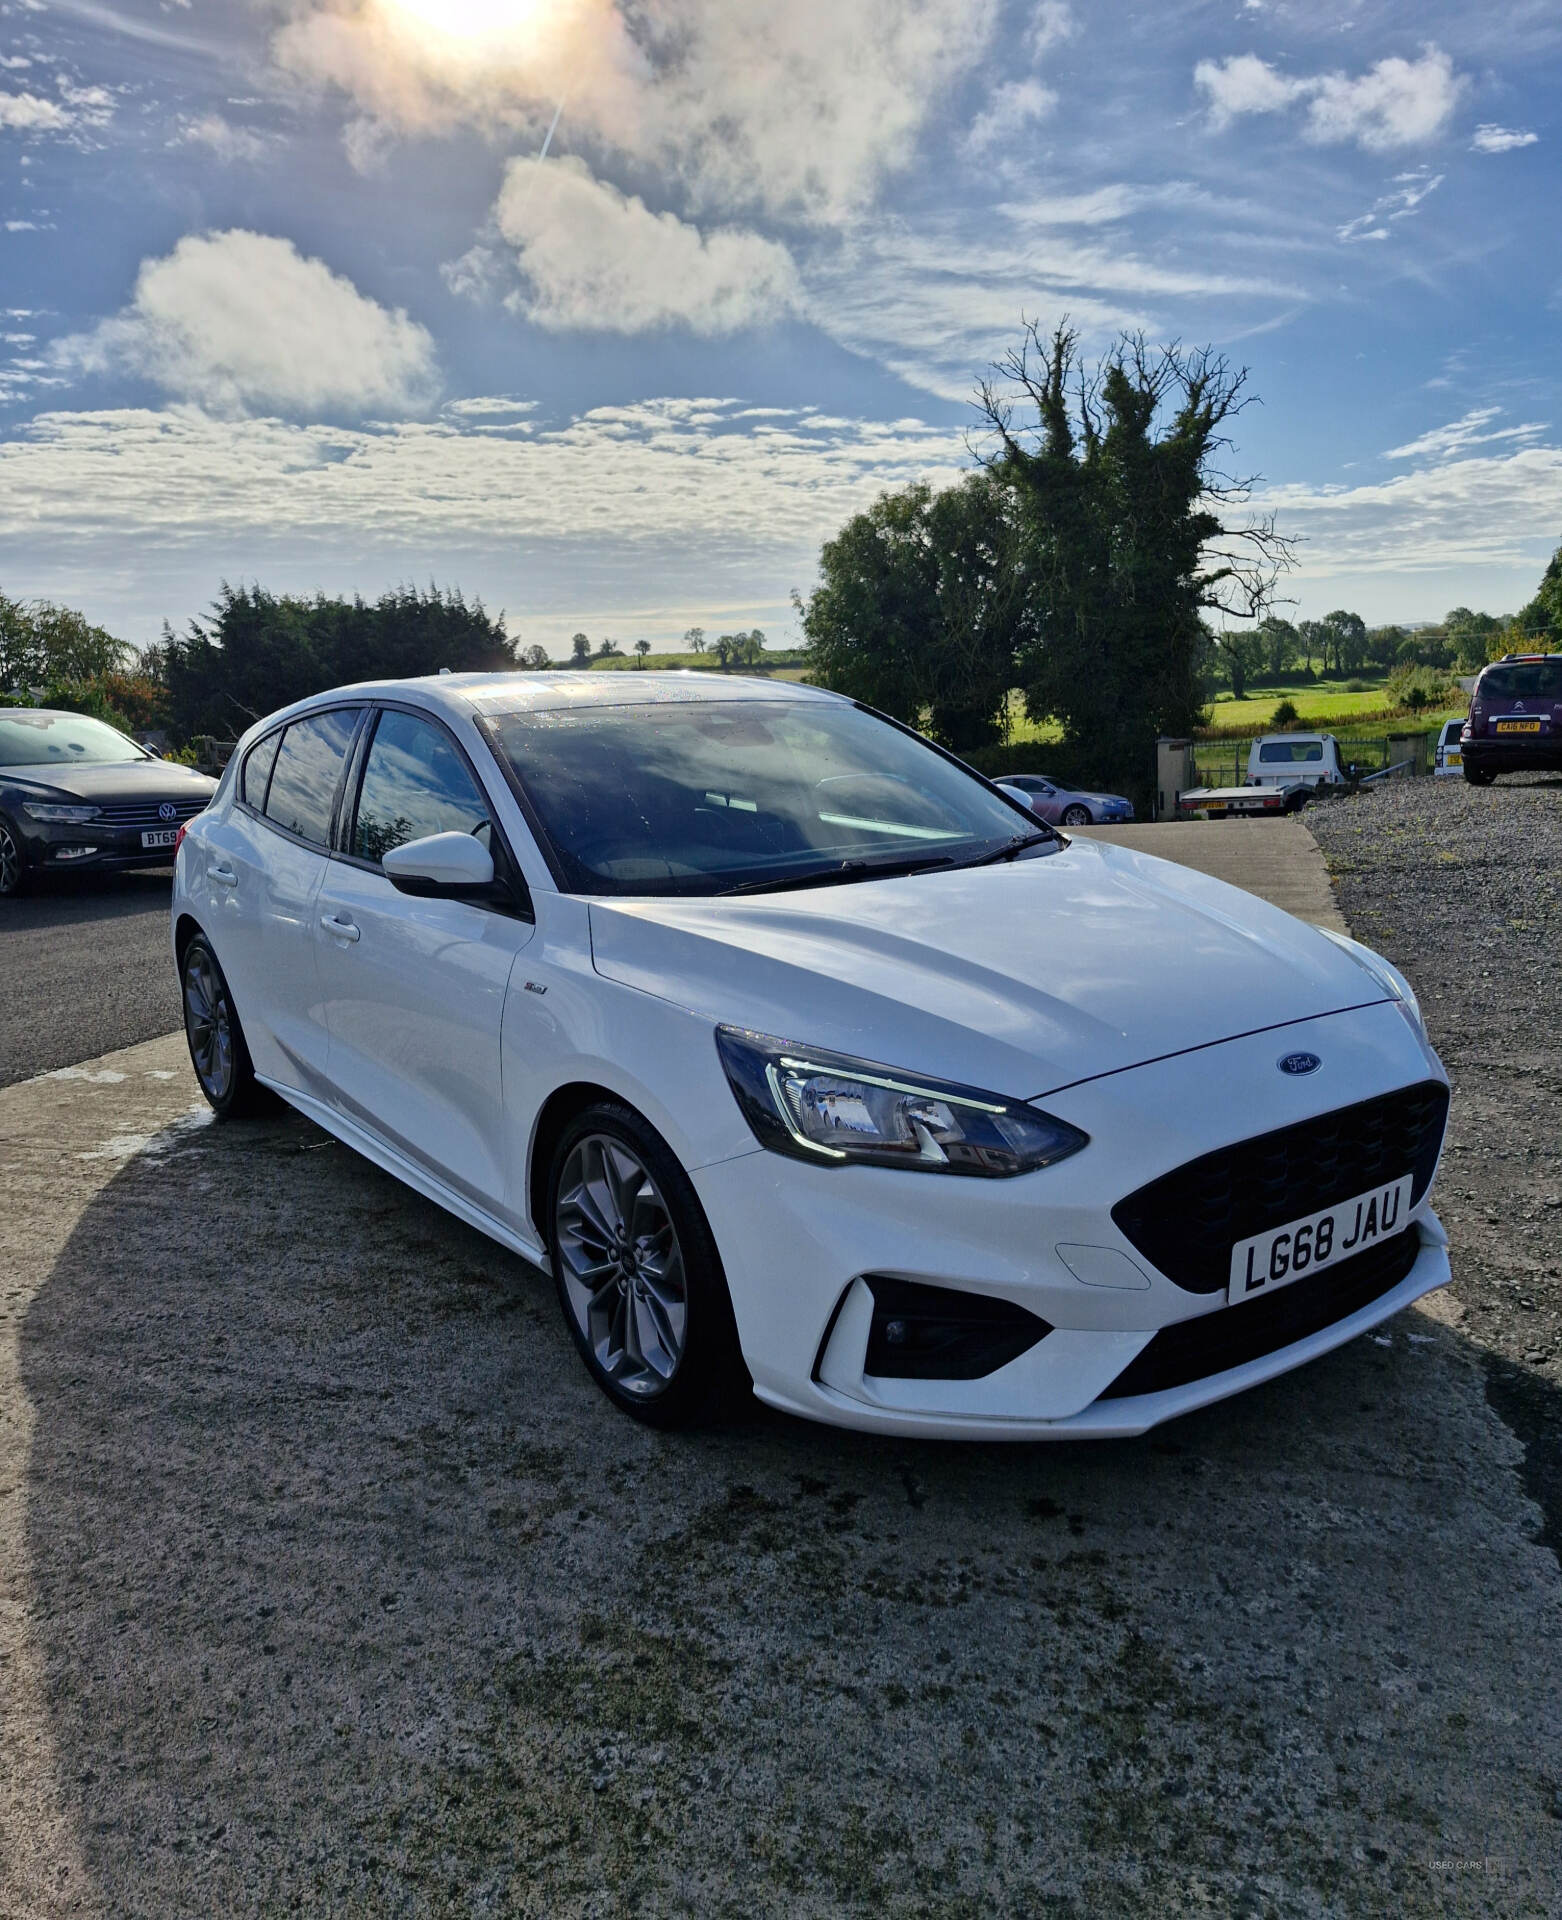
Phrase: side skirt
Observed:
(404, 1170)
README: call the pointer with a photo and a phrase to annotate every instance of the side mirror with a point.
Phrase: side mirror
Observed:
(444, 866)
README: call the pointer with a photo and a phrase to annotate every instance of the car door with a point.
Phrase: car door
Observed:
(414, 989)
(266, 858)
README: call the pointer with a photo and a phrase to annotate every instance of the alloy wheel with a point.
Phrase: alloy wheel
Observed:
(1076, 816)
(209, 1022)
(10, 861)
(622, 1266)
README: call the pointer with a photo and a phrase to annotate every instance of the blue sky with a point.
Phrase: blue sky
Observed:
(286, 292)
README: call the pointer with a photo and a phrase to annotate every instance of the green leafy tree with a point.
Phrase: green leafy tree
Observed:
(1472, 637)
(536, 659)
(258, 651)
(1129, 533)
(1281, 644)
(1242, 656)
(1539, 625)
(642, 648)
(609, 650)
(1383, 645)
(723, 650)
(694, 639)
(920, 609)
(580, 650)
(43, 645)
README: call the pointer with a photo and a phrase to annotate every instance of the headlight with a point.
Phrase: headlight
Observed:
(61, 816)
(832, 1110)
(1388, 977)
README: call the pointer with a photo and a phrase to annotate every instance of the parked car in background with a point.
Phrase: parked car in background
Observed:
(76, 794)
(1062, 806)
(1448, 757)
(808, 1059)
(1296, 759)
(1515, 723)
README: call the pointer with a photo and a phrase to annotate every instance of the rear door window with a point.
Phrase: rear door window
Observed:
(308, 771)
(415, 783)
(256, 777)
(1290, 752)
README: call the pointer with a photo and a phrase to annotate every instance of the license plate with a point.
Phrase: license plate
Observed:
(162, 837)
(1518, 726)
(1288, 1253)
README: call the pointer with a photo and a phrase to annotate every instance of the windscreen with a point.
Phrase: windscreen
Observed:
(1290, 752)
(1524, 680)
(699, 797)
(62, 740)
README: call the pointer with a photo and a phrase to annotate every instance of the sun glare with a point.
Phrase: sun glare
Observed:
(468, 22)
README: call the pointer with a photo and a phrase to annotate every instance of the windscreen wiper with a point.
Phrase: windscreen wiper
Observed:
(847, 871)
(1011, 848)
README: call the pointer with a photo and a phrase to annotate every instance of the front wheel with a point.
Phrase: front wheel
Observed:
(637, 1271)
(1076, 816)
(1478, 776)
(216, 1040)
(13, 868)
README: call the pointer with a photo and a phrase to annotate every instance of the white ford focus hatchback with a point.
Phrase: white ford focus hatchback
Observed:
(803, 1056)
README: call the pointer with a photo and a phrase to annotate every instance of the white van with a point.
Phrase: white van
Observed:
(1449, 757)
(1295, 759)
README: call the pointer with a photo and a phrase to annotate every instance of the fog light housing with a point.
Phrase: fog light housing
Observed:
(921, 1332)
(73, 853)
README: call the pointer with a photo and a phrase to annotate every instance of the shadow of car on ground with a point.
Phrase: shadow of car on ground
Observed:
(352, 1595)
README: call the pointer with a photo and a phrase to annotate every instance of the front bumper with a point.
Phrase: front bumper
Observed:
(61, 848)
(797, 1242)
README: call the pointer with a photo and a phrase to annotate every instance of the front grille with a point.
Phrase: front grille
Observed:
(1187, 1222)
(1231, 1336)
(147, 814)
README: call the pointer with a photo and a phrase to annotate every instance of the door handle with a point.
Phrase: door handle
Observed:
(224, 876)
(340, 929)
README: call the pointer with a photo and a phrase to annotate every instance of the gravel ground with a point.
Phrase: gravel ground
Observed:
(1461, 887)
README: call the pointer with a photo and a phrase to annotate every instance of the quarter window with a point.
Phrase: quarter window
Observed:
(258, 763)
(414, 783)
(308, 768)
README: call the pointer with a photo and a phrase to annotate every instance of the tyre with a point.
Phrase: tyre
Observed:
(1076, 816)
(1478, 776)
(216, 1040)
(637, 1271)
(13, 863)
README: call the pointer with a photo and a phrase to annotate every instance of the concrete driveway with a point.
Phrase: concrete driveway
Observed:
(329, 1584)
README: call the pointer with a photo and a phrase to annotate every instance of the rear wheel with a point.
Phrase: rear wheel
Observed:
(216, 1040)
(637, 1271)
(1478, 776)
(1076, 816)
(13, 868)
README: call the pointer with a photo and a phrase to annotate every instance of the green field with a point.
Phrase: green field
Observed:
(779, 662)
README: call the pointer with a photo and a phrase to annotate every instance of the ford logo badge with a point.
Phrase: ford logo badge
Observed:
(1300, 1063)
(167, 810)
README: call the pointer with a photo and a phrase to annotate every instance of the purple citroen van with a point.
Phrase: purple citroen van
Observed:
(1515, 723)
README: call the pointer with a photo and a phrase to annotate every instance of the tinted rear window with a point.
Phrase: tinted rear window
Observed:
(303, 784)
(1289, 752)
(1525, 680)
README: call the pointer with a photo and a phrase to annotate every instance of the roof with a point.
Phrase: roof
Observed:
(540, 692)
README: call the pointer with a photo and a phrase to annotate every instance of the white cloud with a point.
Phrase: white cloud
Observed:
(796, 106)
(31, 113)
(1495, 139)
(1010, 110)
(1445, 443)
(1396, 103)
(228, 142)
(597, 260)
(241, 321)
(1052, 22)
(1406, 195)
